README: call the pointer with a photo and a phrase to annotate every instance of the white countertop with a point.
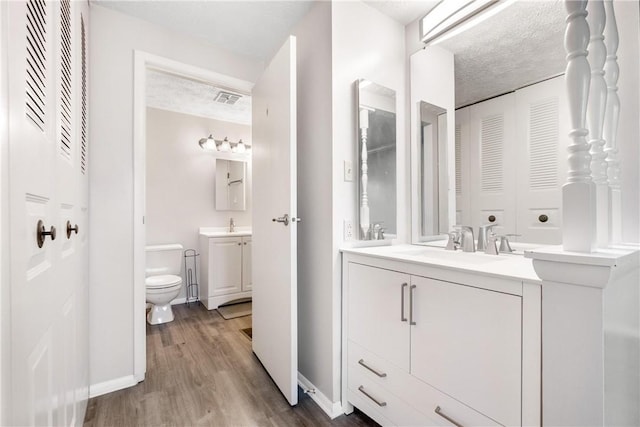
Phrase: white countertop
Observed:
(239, 231)
(504, 265)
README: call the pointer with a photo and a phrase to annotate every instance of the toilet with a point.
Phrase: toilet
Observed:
(163, 281)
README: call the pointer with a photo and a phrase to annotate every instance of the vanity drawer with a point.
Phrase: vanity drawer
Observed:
(418, 395)
(373, 398)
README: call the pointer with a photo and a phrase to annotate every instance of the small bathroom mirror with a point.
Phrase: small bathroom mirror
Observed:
(431, 150)
(231, 176)
(376, 160)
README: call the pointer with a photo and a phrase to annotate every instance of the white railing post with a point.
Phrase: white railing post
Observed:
(611, 73)
(596, 113)
(364, 174)
(578, 194)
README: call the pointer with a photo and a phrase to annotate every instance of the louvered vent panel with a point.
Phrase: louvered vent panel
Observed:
(543, 144)
(65, 86)
(492, 148)
(83, 124)
(458, 160)
(36, 76)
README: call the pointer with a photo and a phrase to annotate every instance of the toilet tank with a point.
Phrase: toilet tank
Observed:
(163, 259)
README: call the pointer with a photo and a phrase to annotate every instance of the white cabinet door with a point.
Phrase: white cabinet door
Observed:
(225, 261)
(492, 154)
(376, 312)
(542, 125)
(466, 342)
(246, 264)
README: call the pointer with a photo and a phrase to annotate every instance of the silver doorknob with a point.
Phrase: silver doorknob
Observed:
(42, 233)
(296, 219)
(283, 219)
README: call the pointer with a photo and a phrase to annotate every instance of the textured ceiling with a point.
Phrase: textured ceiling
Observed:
(251, 28)
(182, 95)
(523, 44)
(403, 11)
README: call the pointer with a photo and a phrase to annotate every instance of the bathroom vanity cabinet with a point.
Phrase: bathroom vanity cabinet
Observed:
(431, 344)
(225, 272)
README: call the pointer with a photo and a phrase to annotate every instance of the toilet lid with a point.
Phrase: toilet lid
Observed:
(164, 281)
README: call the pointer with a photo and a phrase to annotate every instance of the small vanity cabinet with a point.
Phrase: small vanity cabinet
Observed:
(428, 345)
(225, 272)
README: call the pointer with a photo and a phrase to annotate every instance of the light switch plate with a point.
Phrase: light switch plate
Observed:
(348, 229)
(348, 170)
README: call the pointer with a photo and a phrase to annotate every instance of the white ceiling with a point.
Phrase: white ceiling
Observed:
(521, 45)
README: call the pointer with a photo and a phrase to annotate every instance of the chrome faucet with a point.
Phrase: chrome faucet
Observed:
(483, 234)
(491, 248)
(232, 225)
(454, 241)
(467, 242)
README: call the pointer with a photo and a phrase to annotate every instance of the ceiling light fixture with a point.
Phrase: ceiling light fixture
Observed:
(448, 14)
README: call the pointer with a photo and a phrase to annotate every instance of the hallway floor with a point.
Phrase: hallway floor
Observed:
(201, 371)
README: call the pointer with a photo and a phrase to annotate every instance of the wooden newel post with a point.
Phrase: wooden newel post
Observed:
(612, 71)
(578, 194)
(596, 113)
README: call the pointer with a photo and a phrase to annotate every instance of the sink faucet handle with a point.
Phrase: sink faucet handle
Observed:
(454, 241)
(492, 247)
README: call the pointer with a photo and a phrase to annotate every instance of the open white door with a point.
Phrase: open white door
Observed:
(274, 255)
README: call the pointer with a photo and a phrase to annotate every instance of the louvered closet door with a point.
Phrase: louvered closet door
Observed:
(462, 158)
(48, 283)
(492, 137)
(542, 125)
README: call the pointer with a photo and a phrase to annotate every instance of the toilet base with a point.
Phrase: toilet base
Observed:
(160, 314)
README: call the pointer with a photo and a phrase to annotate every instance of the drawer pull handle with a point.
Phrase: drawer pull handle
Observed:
(361, 388)
(402, 318)
(380, 374)
(411, 322)
(451, 420)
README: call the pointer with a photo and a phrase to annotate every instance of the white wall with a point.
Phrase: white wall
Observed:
(180, 178)
(365, 44)
(627, 17)
(113, 39)
(316, 352)
(5, 283)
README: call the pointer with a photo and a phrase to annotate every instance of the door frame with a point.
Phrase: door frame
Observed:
(141, 63)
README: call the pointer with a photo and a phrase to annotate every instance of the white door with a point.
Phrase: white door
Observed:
(49, 294)
(226, 254)
(246, 264)
(275, 316)
(492, 150)
(542, 123)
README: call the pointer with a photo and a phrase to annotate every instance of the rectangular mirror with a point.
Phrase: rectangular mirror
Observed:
(376, 160)
(231, 176)
(433, 177)
(432, 145)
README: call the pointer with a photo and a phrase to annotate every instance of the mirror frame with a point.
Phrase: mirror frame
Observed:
(361, 235)
(432, 81)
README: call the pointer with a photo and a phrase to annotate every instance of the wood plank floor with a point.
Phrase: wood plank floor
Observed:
(201, 371)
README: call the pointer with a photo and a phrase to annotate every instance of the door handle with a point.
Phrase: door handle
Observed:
(402, 318)
(42, 233)
(70, 229)
(411, 322)
(283, 219)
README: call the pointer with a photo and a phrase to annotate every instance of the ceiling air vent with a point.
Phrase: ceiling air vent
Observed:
(227, 98)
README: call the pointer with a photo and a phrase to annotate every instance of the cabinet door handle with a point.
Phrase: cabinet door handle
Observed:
(451, 420)
(411, 322)
(380, 374)
(402, 318)
(361, 388)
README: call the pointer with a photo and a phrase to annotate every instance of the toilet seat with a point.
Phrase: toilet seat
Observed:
(163, 281)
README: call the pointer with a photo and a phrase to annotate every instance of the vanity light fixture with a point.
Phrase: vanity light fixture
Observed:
(225, 146)
(449, 14)
(208, 143)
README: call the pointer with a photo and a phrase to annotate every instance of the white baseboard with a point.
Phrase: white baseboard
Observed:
(177, 301)
(332, 409)
(99, 389)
